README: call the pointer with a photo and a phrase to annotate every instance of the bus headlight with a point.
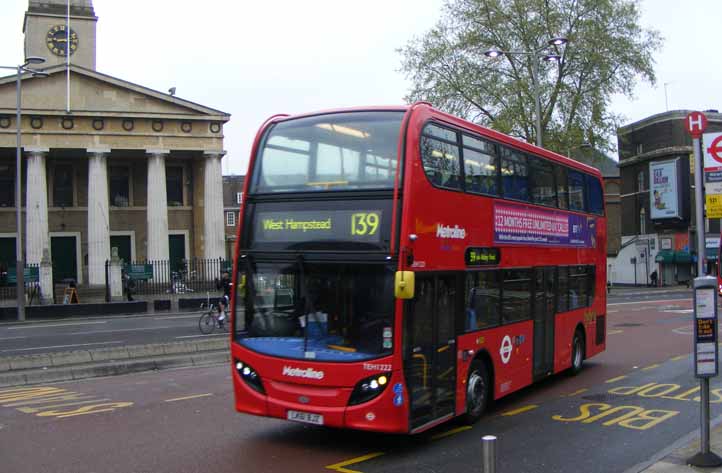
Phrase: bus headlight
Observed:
(250, 376)
(369, 388)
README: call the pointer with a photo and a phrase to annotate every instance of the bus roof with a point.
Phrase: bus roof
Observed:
(459, 122)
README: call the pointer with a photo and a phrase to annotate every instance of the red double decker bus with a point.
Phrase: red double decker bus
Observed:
(398, 266)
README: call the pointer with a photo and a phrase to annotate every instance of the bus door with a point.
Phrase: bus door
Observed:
(544, 312)
(430, 357)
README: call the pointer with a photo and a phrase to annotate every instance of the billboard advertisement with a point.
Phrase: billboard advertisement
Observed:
(519, 224)
(663, 190)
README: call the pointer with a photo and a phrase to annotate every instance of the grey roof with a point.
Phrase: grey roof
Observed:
(597, 159)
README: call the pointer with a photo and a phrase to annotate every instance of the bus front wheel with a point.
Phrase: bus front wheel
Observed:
(477, 391)
(577, 353)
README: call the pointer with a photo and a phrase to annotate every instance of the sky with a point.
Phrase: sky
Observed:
(256, 59)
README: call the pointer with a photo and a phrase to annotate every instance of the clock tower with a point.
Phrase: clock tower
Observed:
(47, 34)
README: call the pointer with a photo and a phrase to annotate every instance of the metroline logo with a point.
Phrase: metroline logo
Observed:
(309, 373)
(446, 231)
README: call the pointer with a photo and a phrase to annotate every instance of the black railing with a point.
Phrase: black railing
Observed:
(8, 286)
(152, 277)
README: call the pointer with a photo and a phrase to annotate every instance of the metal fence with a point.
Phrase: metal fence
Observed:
(8, 284)
(153, 277)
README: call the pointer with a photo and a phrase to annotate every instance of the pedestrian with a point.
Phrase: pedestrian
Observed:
(653, 278)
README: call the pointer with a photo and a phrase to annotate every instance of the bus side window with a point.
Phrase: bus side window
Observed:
(441, 161)
(482, 300)
(575, 180)
(516, 295)
(563, 289)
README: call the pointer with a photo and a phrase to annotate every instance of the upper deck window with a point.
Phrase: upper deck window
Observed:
(341, 151)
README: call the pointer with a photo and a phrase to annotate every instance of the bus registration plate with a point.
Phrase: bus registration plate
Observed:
(306, 417)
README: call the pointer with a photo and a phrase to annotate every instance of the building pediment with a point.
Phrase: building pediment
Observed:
(96, 94)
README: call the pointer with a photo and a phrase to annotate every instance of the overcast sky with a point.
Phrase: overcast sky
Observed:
(256, 59)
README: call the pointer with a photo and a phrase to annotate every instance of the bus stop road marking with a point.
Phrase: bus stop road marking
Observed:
(521, 410)
(195, 396)
(341, 465)
(578, 391)
(614, 380)
(451, 432)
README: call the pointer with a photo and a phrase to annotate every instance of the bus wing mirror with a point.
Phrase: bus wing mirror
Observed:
(404, 285)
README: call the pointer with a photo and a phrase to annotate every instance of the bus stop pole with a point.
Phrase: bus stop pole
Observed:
(705, 321)
(488, 454)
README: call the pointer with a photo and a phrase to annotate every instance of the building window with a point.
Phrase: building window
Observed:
(174, 185)
(640, 182)
(7, 186)
(239, 198)
(230, 219)
(63, 186)
(119, 186)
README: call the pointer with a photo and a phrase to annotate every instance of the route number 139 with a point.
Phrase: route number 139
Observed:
(364, 223)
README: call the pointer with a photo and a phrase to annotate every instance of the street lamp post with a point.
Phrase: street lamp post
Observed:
(20, 262)
(537, 55)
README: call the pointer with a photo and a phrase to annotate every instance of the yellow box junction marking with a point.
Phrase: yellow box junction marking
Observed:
(341, 466)
(195, 396)
(521, 410)
(48, 401)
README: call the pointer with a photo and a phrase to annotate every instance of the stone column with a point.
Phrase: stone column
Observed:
(36, 206)
(157, 207)
(46, 278)
(98, 216)
(213, 224)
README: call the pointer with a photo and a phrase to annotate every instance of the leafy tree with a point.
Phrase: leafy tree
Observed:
(606, 52)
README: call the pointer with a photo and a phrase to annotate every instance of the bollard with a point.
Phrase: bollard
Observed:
(488, 454)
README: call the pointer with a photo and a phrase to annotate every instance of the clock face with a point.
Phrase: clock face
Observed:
(59, 41)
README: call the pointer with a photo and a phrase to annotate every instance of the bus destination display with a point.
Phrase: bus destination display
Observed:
(319, 225)
(477, 256)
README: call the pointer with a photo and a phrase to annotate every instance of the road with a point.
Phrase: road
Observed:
(628, 404)
(98, 332)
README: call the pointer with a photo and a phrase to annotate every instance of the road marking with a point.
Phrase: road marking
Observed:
(579, 391)
(211, 335)
(521, 410)
(195, 396)
(65, 346)
(57, 325)
(614, 380)
(340, 466)
(45, 401)
(33, 410)
(12, 338)
(650, 367)
(139, 329)
(194, 316)
(680, 357)
(614, 332)
(649, 302)
(451, 432)
(612, 311)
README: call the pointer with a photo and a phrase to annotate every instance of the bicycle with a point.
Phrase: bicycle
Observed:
(209, 320)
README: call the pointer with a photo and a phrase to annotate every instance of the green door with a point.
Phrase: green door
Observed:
(122, 242)
(176, 251)
(65, 262)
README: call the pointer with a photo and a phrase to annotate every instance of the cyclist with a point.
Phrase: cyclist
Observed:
(225, 284)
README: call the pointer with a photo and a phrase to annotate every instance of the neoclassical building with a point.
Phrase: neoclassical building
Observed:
(105, 162)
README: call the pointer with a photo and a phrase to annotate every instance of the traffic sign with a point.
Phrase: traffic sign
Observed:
(696, 123)
(712, 151)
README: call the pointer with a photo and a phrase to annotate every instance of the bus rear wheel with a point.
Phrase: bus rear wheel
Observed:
(577, 353)
(477, 391)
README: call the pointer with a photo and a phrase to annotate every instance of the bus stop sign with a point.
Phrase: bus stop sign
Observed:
(696, 123)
